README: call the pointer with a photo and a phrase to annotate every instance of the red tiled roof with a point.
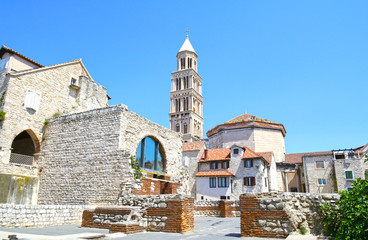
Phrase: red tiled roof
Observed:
(246, 121)
(193, 146)
(298, 157)
(216, 154)
(5, 49)
(214, 173)
(266, 156)
(249, 153)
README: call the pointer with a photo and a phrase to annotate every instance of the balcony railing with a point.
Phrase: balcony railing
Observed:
(21, 159)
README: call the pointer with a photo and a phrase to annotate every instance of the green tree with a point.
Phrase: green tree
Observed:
(348, 218)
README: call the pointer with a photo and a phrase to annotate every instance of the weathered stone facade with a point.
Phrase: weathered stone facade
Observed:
(86, 156)
(32, 94)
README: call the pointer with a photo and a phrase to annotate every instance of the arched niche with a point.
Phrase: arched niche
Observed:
(151, 155)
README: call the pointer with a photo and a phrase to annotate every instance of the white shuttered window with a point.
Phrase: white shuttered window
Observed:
(32, 100)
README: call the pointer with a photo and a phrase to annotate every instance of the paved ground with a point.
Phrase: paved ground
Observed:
(205, 228)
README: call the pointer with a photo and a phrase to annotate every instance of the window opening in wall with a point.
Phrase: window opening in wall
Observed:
(149, 154)
(185, 128)
(349, 174)
(202, 197)
(293, 189)
(182, 63)
(249, 181)
(321, 181)
(177, 128)
(23, 149)
(340, 156)
(223, 197)
(236, 151)
(320, 164)
(248, 163)
(32, 100)
(213, 165)
(212, 182)
(223, 182)
(225, 165)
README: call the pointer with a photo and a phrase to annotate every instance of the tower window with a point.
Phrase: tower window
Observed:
(177, 127)
(185, 128)
(182, 61)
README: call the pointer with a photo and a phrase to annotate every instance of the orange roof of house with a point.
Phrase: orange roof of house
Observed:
(246, 121)
(216, 154)
(249, 153)
(298, 157)
(214, 173)
(266, 156)
(193, 146)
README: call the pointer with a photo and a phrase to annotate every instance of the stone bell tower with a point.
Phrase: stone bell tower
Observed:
(186, 101)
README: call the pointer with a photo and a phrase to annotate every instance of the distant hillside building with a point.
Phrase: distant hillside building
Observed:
(186, 101)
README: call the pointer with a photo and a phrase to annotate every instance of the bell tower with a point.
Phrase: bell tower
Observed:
(186, 101)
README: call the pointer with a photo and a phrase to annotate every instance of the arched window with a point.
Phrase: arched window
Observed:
(23, 149)
(185, 126)
(149, 155)
(177, 127)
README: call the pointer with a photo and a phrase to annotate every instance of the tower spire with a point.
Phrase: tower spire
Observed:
(186, 101)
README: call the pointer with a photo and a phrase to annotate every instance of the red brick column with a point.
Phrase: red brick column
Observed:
(251, 213)
(179, 213)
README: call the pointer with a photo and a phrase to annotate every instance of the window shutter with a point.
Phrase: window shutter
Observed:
(251, 163)
(245, 181)
(253, 181)
(36, 101)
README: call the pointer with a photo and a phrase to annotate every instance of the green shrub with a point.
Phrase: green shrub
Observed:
(137, 168)
(302, 230)
(348, 218)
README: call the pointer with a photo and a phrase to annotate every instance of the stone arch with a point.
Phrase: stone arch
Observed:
(26, 142)
(160, 159)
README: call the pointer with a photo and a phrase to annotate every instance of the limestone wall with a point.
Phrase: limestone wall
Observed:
(222, 208)
(81, 161)
(56, 97)
(278, 214)
(40, 215)
(270, 140)
(85, 156)
(312, 174)
(354, 165)
(227, 138)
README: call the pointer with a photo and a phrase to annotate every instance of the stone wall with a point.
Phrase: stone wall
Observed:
(220, 208)
(85, 157)
(165, 213)
(277, 215)
(80, 159)
(40, 215)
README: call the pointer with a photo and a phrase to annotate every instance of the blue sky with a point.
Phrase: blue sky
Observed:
(299, 63)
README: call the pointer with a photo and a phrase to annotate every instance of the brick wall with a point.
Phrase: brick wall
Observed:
(220, 208)
(149, 186)
(169, 214)
(252, 219)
